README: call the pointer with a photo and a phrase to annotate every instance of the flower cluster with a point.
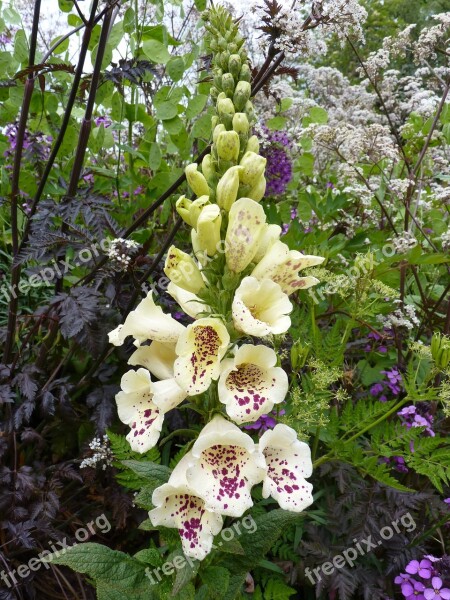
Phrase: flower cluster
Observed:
(121, 252)
(425, 579)
(392, 385)
(417, 416)
(236, 287)
(279, 165)
(102, 454)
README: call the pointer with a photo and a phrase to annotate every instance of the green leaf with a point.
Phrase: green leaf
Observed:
(318, 115)
(129, 20)
(202, 127)
(306, 164)
(175, 68)
(155, 51)
(12, 16)
(65, 5)
(151, 472)
(154, 157)
(21, 47)
(167, 110)
(196, 105)
(276, 123)
(173, 126)
(217, 580)
(200, 4)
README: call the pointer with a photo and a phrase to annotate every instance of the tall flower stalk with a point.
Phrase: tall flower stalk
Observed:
(236, 286)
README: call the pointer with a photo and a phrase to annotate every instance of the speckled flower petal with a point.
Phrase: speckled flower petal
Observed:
(227, 466)
(288, 464)
(200, 350)
(246, 223)
(250, 383)
(282, 266)
(136, 408)
(260, 308)
(147, 322)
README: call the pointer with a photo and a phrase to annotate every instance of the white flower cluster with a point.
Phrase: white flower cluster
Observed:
(425, 47)
(392, 47)
(102, 454)
(403, 243)
(121, 252)
(402, 317)
(343, 17)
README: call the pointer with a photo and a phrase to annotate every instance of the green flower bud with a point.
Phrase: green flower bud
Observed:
(196, 208)
(240, 123)
(182, 207)
(225, 108)
(245, 73)
(254, 166)
(234, 65)
(227, 188)
(228, 145)
(217, 130)
(224, 58)
(249, 111)
(258, 190)
(242, 94)
(253, 145)
(214, 92)
(208, 229)
(218, 78)
(208, 169)
(228, 84)
(214, 121)
(183, 271)
(196, 180)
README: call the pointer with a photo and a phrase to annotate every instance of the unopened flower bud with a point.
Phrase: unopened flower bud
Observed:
(218, 130)
(196, 208)
(214, 92)
(252, 145)
(227, 188)
(249, 111)
(234, 65)
(224, 58)
(228, 145)
(225, 109)
(245, 74)
(208, 229)
(183, 271)
(214, 121)
(218, 79)
(254, 166)
(228, 84)
(196, 180)
(258, 190)
(208, 167)
(182, 206)
(242, 94)
(240, 123)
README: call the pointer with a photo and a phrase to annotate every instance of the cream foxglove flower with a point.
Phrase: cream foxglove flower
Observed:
(288, 464)
(260, 308)
(158, 358)
(189, 303)
(207, 234)
(147, 322)
(245, 226)
(142, 403)
(178, 505)
(183, 271)
(200, 349)
(271, 234)
(250, 383)
(227, 465)
(282, 265)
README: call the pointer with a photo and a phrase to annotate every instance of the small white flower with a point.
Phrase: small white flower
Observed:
(142, 403)
(250, 383)
(200, 349)
(178, 505)
(288, 464)
(226, 466)
(282, 265)
(261, 307)
(147, 322)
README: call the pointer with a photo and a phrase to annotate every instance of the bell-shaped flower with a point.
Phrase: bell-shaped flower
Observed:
(147, 322)
(282, 266)
(271, 234)
(158, 358)
(261, 308)
(141, 404)
(227, 465)
(207, 236)
(178, 505)
(189, 303)
(196, 180)
(245, 226)
(200, 349)
(288, 464)
(183, 271)
(250, 383)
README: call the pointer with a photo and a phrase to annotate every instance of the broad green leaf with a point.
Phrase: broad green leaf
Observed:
(276, 123)
(63, 45)
(318, 115)
(175, 68)
(12, 16)
(202, 127)
(154, 157)
(129, 20)
(217, 580)
(173, 126)
(195, 105)
(166, 110)
(65, 5)
(21, 50)
(153, 473)
(155, 51)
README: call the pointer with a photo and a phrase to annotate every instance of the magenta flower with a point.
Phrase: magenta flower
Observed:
(437, 591)
(422, 568)
(412, 590)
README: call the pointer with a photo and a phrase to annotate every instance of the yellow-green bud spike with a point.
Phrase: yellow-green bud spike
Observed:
(254, 166)
(227, 188)
(196, 180)
(234, 65)
(228, 145)
(182, 206)
(242, 95)
(196, 208)
(240, 123)
(182, 270)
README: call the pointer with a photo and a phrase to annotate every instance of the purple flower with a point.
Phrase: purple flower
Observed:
(412, 590)
(422, 568)
(102, 120)
(265, 422)
(437, 591)
(376, 389)
(408, 410)
(279, 165)
(447, 501)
